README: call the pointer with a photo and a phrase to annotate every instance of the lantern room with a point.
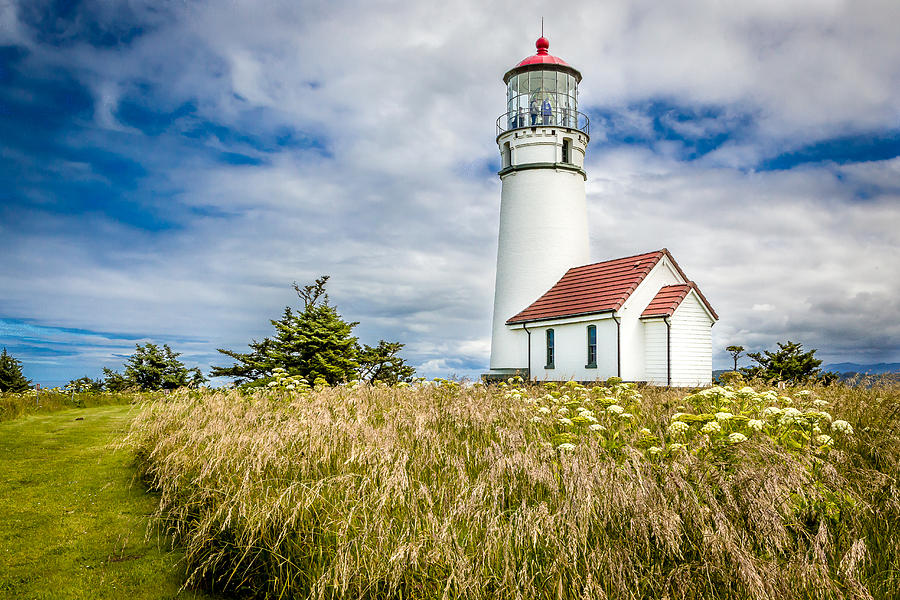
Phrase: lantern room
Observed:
(542, 90)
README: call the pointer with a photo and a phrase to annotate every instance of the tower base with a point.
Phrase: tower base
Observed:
(500, 375)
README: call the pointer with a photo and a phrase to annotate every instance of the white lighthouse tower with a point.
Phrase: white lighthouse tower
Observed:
(543, 214)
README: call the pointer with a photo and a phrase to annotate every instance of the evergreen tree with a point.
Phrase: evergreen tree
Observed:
(11, 377)
(381, 363)
(788, 364)
(735, 352)
(85, 384)
(313, 343)
(152, 368)
(114, 381)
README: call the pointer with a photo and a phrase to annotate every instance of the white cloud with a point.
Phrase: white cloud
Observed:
(400, 206)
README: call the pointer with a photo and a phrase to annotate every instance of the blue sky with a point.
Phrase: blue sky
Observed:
(167, 169)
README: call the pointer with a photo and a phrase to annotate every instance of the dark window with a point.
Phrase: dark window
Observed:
(549, 364)
(507, 155)
(567, 150)
(591, 347)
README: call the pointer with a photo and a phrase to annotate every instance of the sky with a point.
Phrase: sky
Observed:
(169, 168)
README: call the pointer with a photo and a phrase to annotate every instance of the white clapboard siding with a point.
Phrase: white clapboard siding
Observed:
(691, 343)
(655, 349)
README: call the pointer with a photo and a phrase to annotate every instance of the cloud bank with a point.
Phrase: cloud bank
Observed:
(168, 169)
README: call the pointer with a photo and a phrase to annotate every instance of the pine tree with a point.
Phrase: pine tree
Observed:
(152, 368)
(314, 343)
(788, 364)
(11, 377)
(85, 384)
(381, 363)
(735, 352)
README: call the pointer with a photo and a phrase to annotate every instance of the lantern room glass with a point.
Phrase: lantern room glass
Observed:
(542, 98)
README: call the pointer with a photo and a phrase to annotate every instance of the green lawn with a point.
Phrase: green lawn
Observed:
(72, 525)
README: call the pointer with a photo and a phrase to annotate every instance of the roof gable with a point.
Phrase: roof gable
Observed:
(605, 286)
(670, 297)
(667, 299)
(595, 288)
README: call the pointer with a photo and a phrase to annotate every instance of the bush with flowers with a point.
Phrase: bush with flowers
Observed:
(610, 416)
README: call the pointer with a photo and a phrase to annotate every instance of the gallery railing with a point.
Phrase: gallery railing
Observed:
(564, 117)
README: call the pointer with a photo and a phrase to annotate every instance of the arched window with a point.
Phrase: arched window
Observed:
(591, 347)
(506, 155)
(567, 150)
(550, 352)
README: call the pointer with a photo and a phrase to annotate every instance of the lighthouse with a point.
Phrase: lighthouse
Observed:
(557, 316)
(543, 215)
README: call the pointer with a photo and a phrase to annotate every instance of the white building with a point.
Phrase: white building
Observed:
(638, 317)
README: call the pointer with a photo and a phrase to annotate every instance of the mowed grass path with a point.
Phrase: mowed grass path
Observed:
(72, 524)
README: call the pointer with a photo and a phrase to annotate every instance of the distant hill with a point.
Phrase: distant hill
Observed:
(846, 369)
(871, 369)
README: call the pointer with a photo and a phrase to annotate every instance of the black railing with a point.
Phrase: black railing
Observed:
(563, 117)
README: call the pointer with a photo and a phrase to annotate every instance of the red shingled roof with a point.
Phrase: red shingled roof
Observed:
(600, 287)
(666, 300)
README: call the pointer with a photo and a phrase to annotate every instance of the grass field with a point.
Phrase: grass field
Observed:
(71, 525)
(14, 405)
(531, 492)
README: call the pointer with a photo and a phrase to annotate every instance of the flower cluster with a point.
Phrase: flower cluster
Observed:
(571, 413)
(609, 414)
(727, 416)
(282, 381)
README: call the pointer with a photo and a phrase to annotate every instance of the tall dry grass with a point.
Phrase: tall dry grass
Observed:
(450, 492)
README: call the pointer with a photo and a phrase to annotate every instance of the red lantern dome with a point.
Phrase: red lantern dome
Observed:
(542, 59)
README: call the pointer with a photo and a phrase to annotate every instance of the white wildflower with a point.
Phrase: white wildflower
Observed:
(678, 428)
(272, 384)
(626, 416)
(536, 419)
(676, 446)
(711, 427)
(615, 409)
(771, 411)
(644, 431)
(789, 416)
(566, 446)
(563, 411)
(842, 427)
(654, 450)
(723, 416)
(737, 438)
(820, 403)
(597, 427)
(565, 421)
(824, 440)
(544, 410)
(756, 424)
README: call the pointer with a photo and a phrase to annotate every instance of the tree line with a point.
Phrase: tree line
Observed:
(312, 341)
